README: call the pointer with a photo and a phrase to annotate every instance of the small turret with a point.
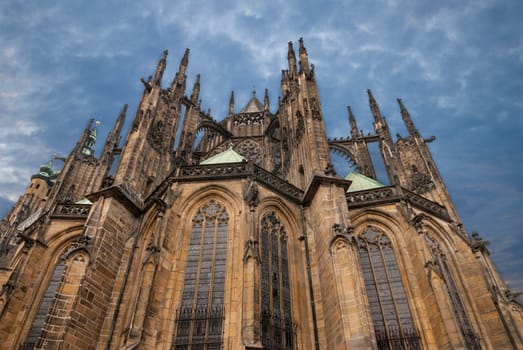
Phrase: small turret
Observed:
(90, 141)
(266, 100)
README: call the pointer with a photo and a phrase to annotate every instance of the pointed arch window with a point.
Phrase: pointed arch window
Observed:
(276, 316)
(393, 324)
(440, 263)
(56, 305)
(199, 321)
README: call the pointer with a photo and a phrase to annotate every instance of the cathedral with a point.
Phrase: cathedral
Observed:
(199, 233)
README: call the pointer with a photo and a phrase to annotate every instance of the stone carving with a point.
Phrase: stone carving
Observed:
(478, 244)
(65, 209)
(251, 194)
(155, 135)
(247, 119)
(251, 250)
(251, 150)
(420, 182)
(300, 126)
(82, 243)
(315, 109)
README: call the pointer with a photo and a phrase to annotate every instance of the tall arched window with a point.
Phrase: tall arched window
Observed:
(440, 263)
(388, 304)
(48, 326)
(200, 318)
(276, 317)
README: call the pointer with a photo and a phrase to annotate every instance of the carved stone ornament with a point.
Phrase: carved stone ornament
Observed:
(478, 244)
(300, 126)
(155, 135)
(315, 109)
(251, 150)
(248, 119)
(251, 250)
(251, 194)
(420, 182)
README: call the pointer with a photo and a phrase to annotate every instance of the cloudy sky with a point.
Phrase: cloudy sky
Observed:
(458, 65)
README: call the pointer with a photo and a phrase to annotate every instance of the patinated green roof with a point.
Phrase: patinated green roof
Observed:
(227, 156)
(361, 182)
(83, 201)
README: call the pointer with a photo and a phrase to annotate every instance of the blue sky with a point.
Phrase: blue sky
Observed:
(458, 66)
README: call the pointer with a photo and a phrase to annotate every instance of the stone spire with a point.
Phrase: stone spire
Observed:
(291, 57)
(179, 78)
(304, 58)
(196, 90)
(160, 69)
(231, 104)
(380, 124)
(352, 123)
(407, 119)
(266, 100)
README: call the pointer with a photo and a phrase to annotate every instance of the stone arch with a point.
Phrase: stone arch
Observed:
(391, 308)
(289, 218)
(181, 216)
(63, 281)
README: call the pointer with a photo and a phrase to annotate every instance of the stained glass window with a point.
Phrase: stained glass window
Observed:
(57, 301)
(440, 262)
(393, 325)
(276, 318)
(199, 320)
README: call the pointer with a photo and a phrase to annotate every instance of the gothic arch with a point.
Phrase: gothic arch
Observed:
(289, 218)
(199, 315)
(445, 265)
(391, 309)
(46, 323)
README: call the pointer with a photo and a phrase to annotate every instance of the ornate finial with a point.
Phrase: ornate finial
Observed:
(231, 145)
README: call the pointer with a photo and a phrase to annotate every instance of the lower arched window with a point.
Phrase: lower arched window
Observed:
(49, 323)
(440, 262)
(199, 320)
(393, 324)
(276, 317)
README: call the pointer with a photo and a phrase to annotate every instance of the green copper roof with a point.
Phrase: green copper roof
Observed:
(83, 201)
(228, 156)
(361, 182)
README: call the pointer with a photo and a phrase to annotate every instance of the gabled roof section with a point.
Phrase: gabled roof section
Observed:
(253, 106)
(227, 156)
(361, 182)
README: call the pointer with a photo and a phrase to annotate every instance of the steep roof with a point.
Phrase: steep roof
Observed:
(227, 156)
(253, 106)
(361, 182)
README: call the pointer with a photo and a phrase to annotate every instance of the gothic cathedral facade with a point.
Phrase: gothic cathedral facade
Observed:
(238, 234)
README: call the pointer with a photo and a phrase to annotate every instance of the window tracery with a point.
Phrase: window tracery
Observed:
(393, 324)
(199, 320)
